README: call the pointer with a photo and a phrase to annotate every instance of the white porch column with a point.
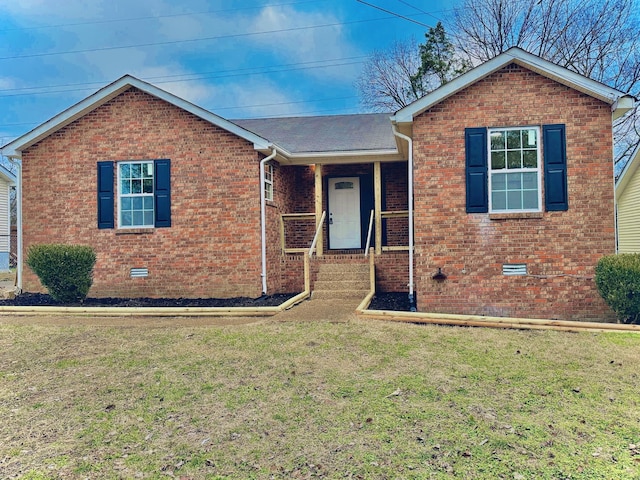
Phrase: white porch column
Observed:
(318, 193)
(377, 205)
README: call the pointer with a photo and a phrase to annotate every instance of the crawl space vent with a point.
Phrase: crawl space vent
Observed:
(514, 269)
(139, 272)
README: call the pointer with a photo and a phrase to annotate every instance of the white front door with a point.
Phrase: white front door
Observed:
(344, 213)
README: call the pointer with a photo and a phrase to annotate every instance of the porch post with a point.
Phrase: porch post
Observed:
(318, 191)
(377, 202)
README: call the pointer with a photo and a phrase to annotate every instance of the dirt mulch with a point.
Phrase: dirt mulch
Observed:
(382, 301)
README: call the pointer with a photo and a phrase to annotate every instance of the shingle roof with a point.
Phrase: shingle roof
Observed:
(330, 133)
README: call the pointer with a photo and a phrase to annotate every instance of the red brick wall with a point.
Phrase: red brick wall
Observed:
(560, 248)
(212, 248)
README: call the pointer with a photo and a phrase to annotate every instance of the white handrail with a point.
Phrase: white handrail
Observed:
(315, 237)
(366, 250)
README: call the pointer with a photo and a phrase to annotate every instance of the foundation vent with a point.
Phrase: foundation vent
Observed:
(139, 272)
(514, 269)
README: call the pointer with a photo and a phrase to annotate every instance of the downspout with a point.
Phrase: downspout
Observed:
(263, 220)
(412, 300)
(18, 165)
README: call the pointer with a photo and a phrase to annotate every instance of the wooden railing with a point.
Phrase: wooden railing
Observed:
(366, 248)
(311, 226)
(317, 235)
(394, 214)
(287, 217)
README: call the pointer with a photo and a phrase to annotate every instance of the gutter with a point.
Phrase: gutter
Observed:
(263, 220)
(412, 300)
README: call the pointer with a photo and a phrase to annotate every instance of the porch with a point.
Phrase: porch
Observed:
(353, 207)
(343, 213)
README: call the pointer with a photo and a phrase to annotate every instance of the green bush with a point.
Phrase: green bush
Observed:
(618, 281)
(65, 270)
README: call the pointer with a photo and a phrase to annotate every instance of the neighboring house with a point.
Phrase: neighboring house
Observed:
(628, 206)
(501, 180)
(7, 181)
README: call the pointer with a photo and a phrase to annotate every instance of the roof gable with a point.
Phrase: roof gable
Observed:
(619, 101)
(628, 172)
(104, 95)
(5, 174)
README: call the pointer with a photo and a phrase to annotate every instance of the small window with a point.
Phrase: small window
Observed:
(344, 185)
(268, 182)
(135, 194)
(514, 170)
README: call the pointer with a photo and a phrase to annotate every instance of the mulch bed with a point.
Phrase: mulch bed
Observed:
(382, 301)
(43, 300)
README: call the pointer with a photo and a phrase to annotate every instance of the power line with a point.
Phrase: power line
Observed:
(203, 39)
(157, 17)
(197, 75)
(237, 107)
(393, 13)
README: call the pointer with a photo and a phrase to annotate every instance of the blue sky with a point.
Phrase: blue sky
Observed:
(239, 59)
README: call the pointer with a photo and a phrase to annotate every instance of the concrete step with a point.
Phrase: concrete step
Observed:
(342, 284)
(335, 295)
(344, 267)
(346, 275)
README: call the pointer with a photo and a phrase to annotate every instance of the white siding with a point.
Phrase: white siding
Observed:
(629, 216)
(4, 216)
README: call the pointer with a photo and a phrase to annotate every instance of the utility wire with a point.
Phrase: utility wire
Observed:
(193, 40)
(198, 75)
(394, 13)
(157, 17)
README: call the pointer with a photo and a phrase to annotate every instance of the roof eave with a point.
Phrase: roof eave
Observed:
(14, 149)
(337, 157)
(628, 171)
(617, 99)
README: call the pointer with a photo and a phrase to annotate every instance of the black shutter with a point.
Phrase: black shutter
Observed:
(555, 168)
(475, 140)
(162, 192)
(105, 195)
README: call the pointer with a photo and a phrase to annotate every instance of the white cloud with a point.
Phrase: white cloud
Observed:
(303, 44)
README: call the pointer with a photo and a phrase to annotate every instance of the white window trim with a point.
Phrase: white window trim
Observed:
(268, 180)
(118, 192)
(515, 170)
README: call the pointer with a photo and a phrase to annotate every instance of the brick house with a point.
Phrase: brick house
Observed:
(501, 180)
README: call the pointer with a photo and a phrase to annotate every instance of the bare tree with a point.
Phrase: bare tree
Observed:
(386, 82)
(596, 38)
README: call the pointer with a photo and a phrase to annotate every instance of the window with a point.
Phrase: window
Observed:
(268, 182)
(135, 194)
(514, 170)
(141, 193)
(505, 168)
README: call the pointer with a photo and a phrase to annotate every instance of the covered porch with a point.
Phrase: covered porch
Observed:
(351, 206)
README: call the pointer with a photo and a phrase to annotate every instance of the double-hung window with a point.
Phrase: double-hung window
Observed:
(135, 194)
(268, 182)
(505, 169)
(514, 169)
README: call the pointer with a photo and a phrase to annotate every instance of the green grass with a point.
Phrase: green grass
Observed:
(299, 400)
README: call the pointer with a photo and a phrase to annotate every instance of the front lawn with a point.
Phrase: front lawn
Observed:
(317, 400)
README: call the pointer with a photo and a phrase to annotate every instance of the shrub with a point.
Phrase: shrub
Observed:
(65, 270)
(618, 281)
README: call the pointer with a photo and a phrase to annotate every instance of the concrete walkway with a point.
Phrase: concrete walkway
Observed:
(321, 310)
